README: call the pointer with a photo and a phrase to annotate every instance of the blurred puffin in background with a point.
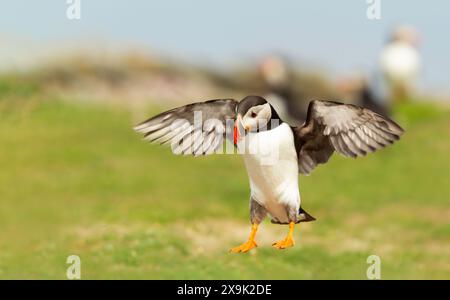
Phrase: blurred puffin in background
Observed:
(274, 153)
(400, 62)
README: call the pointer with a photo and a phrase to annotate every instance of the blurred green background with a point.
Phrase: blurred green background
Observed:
(76, 180)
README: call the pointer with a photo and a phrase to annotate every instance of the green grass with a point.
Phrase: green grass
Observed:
(76, 180)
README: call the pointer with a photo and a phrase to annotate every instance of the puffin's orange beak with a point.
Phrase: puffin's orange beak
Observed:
(235, 133)
(238, 129)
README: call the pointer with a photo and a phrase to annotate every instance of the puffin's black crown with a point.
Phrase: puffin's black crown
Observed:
(248, 102)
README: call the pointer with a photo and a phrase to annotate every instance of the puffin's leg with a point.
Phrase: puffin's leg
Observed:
(288, 241)
(248, 245)
(257, 214)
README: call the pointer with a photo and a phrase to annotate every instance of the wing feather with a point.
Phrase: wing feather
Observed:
(181, 128)
(348, 129)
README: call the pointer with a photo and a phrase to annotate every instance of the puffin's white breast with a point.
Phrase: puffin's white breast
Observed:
(400, 62)
(271, 161)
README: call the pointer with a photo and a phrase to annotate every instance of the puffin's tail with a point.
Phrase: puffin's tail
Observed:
(303, 216)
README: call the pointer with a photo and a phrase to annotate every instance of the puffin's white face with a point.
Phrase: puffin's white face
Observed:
(256, 117)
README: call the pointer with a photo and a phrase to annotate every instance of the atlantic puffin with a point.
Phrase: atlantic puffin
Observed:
(400, 62)
(274, 152)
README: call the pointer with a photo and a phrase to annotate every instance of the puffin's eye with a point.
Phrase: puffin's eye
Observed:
(253, 115)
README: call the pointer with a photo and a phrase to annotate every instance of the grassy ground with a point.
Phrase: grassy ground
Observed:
(76, 180)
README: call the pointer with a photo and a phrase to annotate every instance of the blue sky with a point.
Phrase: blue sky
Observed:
(335, 35)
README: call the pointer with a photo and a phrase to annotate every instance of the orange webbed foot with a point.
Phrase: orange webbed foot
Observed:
(249, 245)
(245, 247)
(288, 241)
(283, 244)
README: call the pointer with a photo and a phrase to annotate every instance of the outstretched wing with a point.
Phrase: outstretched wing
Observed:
(197, 128)
(348, 129)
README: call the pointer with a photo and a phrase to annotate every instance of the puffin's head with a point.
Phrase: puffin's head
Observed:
(254, 114)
